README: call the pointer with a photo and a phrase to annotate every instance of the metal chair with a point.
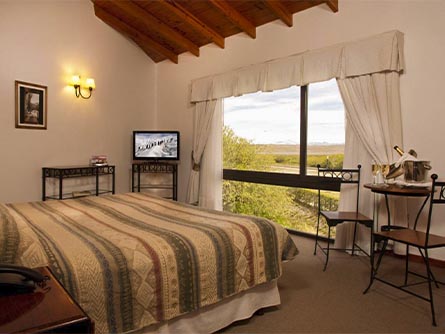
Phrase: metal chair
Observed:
(333, 218)
(423, 241)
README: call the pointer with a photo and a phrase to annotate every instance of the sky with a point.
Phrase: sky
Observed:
(274, 118)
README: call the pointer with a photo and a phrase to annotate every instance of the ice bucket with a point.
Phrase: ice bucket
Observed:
(416, 171)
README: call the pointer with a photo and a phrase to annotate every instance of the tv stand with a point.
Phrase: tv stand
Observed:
(155, 166)
(66, 172)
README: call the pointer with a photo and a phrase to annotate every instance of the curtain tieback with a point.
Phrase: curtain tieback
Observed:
(196, 166)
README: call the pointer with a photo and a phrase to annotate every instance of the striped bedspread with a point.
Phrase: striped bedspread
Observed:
(132, 260)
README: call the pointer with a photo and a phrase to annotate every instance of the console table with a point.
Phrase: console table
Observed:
(139, 167)
(65, 172)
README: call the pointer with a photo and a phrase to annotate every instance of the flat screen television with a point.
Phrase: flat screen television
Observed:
(155, 145)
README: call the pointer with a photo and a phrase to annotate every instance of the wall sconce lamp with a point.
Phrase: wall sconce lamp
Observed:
(89, 83)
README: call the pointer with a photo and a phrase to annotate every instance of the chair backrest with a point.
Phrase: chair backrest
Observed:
(437, 196)
(351, 176)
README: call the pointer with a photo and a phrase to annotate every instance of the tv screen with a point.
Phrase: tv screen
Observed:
(155, 145)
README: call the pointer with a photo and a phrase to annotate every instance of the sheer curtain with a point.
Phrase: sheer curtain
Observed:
(210, 191)
(374, 126)
(203, 115)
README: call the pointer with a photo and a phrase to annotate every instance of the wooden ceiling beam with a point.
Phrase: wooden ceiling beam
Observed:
(279, 10)
(333, 5)
(155, 24)
(194, 22)
(234, 16)
(142, 40)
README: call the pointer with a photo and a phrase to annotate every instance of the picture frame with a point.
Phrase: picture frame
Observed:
(30, 105)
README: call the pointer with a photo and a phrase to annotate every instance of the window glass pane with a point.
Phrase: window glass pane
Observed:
(293, 208)
(262, 131)
(326, 126)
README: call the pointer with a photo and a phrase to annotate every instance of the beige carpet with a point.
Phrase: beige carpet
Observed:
(313, 301)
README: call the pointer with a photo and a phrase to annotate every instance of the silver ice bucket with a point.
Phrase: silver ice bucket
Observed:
(416, 171)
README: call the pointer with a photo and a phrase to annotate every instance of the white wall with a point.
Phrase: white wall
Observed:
(45, 42)
(422, 85)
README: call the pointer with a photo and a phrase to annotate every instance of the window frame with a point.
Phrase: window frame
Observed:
(301, 180)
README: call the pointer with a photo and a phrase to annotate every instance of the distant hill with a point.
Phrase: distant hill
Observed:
(295, 149)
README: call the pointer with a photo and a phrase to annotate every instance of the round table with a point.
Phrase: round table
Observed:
(399, 190)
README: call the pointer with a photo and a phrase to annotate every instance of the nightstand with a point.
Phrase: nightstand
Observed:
(43, 311)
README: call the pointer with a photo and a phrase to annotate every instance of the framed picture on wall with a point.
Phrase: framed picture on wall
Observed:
(30, 105)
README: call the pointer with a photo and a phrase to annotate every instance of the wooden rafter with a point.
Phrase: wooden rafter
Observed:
(164, 29)
(194, 22)
(142, 40)
(279, 10)
(234, 16)
(333, 4)
(170, 34)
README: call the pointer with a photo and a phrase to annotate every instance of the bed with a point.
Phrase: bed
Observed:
(139, 263)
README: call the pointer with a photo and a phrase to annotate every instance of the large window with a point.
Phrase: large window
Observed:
(272, 144)
(270, 124)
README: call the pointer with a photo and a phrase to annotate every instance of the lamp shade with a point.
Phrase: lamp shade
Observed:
(90, 83)
(75, 80)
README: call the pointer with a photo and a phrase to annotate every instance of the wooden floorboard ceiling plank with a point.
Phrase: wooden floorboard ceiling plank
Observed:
(142, 40)
(234, 16)
(194, 22)
(156, 25)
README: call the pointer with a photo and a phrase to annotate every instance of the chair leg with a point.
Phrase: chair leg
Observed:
(353, 239)
(432, 275)
(327, 248)
(428, 272)
(316, 235)
(385, 244)
(406, 264)
(374, 271)
(371, 251)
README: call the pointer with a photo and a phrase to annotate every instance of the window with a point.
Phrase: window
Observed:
(272, 143)
(269, 125)
(326, 126)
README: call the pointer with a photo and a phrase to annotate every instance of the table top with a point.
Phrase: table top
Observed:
(398, 190)
(39, 310)
(78, 166)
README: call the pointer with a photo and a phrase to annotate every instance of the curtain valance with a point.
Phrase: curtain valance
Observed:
(379, 53)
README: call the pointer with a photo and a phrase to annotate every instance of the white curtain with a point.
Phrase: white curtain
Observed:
(203, 115)
(379, 53)
(367, 71)
(210, 185)
(374, 126)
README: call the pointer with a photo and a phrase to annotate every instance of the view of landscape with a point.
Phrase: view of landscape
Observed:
(261, 133)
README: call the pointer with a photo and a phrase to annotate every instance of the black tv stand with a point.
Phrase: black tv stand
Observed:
(66, 172)
(155, 166)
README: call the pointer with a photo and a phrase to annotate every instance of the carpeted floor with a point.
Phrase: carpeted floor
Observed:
(313, 301)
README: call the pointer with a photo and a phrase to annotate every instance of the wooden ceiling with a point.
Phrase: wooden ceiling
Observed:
(165, 29)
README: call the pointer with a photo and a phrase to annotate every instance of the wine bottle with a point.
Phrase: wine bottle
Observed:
(395, 171)
(401, 152)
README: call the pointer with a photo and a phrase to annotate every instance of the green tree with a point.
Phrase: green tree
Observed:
(261, 200)
(240, 153)
(248, 198)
